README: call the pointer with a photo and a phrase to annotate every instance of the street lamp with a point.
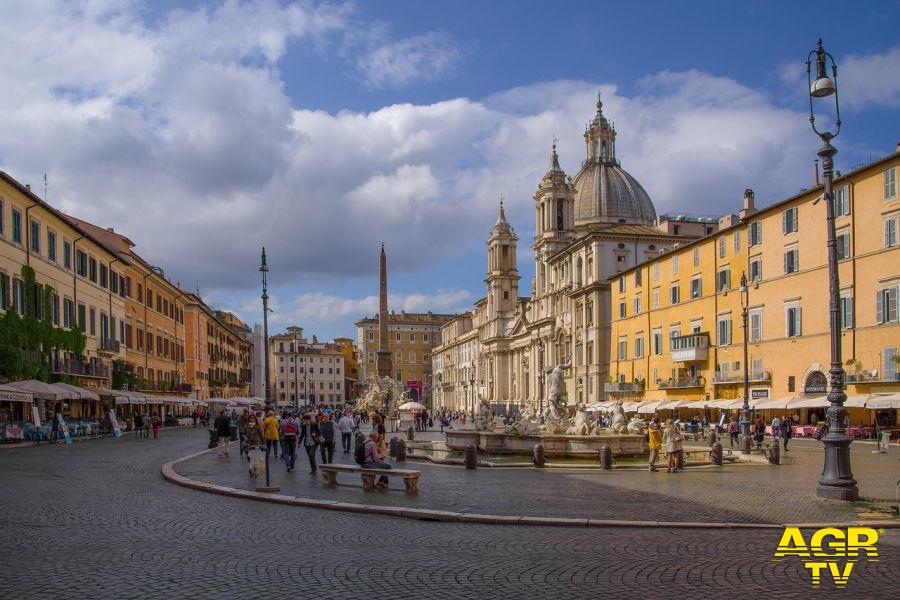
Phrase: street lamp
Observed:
(264, 269)
(836, 482)
(745, 413)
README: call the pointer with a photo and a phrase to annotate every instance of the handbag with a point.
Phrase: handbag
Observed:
(320, 439)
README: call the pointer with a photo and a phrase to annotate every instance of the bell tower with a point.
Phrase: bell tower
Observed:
(554, 204)
(502, 274)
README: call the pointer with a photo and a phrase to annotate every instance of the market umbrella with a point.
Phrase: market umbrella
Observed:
(12, 394)
(876, 402)
(41, 390)
(412, 406)
(82, 393)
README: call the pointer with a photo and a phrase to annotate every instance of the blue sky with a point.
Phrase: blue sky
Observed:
(204, 130)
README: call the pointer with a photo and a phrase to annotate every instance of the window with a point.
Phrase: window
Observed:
(791, 261)
(68, 313)
(789, 221)
(621, 284)
(842, 201)
(846, 312)
(792, 321)
(35, 237)
(754, 234)
(638, 347)
(675, 264)
(92, 321)
(113, 282)
(54, 308)
(92, 269)
(623, 349)
(637, 278)
(655, 297)
(18, 298)
(889, 369)
(51, 245)
(81, 263)
(723, 247)
(17, 226)
(890, 183)
(637, 304)
(655, 271)
(723, 331)
(4, 291)
(723, 280)
(1, 217)
(82, 320)
(843, 246)
(755, 323)
(67, 254)
(104, 276)
(425, 337)
(890, 232)
(886, 306)
(657, 342)
(755, 269)
(696, 256)
(696, 288)
(398, 337)
(737, 242)
(673, 294)
(622, 309)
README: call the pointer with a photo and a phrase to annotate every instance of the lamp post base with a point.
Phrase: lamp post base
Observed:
(847, 494)
(268, 488)
(837, 482)
(745, 444)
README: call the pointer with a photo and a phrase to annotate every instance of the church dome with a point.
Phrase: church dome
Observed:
(604, 191)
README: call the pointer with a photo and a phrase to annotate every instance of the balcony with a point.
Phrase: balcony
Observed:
(80, 369)
(738, 377)
(624, 387)
(681, 384)
(109, 346)
(693, 347)
(868, 378)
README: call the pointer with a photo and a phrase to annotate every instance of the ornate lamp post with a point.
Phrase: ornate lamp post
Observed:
(263, 268)
(836, 482)
(745, 413)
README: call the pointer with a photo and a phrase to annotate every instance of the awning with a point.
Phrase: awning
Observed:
(411, 406)
(696, 404)
(595, 407)
(857, 401)
(117, 396)
(648, 408)
(774, 404)
(81, 393)
(41, 390)
(11, 394)
(723, 404)
(881, 402)
(673, 404)
(817, 402)
(631, 406)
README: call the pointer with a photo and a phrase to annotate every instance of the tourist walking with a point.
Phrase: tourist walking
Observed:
(138, 425)
(673, 440)
(655, 435)
(242, 428)
(155, 425)
(733, 433)
(290, 428)
(345, 426)
(254, 439)
(222, 425)
(374, 459)
(378, 427)
(270, 427)
(194, 417)
(759, 433)
(309, 439)
(786, 432)
(326, 430)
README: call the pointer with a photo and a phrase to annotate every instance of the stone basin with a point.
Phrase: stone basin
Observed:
(555, 445)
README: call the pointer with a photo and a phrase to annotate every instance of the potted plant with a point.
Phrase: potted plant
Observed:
(896, 360)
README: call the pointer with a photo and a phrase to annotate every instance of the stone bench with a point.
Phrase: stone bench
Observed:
(410, 478)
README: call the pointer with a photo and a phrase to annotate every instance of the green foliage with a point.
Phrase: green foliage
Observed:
(27, 340)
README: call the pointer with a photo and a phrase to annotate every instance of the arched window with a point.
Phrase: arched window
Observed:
(578, 271)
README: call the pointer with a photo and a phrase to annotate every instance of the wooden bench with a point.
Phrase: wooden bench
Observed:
(410, 478)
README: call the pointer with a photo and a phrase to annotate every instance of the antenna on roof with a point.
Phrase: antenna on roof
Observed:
(45, 187)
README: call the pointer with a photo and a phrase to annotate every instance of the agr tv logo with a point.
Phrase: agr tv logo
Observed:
(836, 550)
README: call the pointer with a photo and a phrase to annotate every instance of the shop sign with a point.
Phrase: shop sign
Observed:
(759, 394)
(815, 383)
(63, 427)
(115, 423)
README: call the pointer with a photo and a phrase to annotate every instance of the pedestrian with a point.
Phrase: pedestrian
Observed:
(673, 441)
(345, 426)
(309, 439)
(776, 427)
(759, 433)
(733, 433)
(194, 417)
(222, 426)
(378, 427)
(254, 438)
(786, 432)
(270, 427)
(655, 435)
(138, 425)
(155, 425)
(290, 428)
(326, 447)
(374, 459)
(147, 426)
(242, 428)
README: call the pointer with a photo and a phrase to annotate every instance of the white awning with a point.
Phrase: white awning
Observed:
(673, 404)
(648, 408)
(880, 402)
(697, 404)
(774, 404)
(631, 406)
(11, 394)
(856, 401)
(41, 390)
(817, 402)
(81, 393)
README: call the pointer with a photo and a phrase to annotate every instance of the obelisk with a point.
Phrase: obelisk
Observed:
(383, 361)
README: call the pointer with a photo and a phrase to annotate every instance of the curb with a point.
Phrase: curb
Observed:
(423, 514)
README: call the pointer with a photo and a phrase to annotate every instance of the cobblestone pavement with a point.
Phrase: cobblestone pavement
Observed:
(755, 493)
(96, 520)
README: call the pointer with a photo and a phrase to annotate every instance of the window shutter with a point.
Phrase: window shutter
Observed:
(786, 262)
(784, 222)
(879, 307)
(799, 324)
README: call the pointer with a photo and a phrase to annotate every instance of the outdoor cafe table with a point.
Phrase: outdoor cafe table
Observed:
(804, 430)
(13, 433)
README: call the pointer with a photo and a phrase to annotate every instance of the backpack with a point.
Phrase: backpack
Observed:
(290, 428)
(359, 453)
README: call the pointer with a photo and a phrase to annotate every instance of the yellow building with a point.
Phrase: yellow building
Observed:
(83, 274)
(676, 318)
(352, 380)
(217, 353)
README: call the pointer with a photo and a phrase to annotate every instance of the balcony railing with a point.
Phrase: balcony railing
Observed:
(672, 384)
(74, 367)
(624, 387)
(738, 377)
(866, 377)
(691, 347)
(110, 345)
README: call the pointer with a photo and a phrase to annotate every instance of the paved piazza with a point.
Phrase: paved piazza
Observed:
(97, 520)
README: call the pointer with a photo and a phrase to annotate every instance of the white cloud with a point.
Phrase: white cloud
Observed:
(427, 57)
(319, 307)
(872, 79)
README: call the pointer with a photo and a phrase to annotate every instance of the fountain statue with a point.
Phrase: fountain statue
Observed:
(382, 394)
(485, 419)
(581, 423)
(618, 421)
(556, 405)
(636, 425)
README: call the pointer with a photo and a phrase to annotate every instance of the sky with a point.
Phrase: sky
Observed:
(206, 130)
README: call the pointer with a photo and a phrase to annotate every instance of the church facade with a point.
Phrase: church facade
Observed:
(588, 229)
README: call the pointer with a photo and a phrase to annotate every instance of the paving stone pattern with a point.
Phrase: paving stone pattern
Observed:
(96, 520)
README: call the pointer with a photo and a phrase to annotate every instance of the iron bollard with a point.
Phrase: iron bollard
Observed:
(605, 457)
(410, 433)
(716, 454)
(775, 452)
(538, 457)
(400, 451)
(711, 437)
(471, 457)
(392, 449)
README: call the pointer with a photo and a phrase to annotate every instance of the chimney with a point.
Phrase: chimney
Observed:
(816, 170)
(28, 186)
(110, 229)
(749, 207)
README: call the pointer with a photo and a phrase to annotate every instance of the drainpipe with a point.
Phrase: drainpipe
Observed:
(147, 338)
(28, 235)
